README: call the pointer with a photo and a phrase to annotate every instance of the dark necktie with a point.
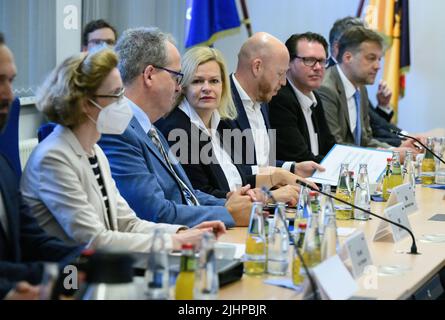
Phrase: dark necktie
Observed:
(188, 194)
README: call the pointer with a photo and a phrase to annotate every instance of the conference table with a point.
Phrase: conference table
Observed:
(412, 273)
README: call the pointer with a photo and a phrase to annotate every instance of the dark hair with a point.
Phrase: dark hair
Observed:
(2, 39)
(291, 43)
(93, 26)
(354, 37)
(341, 25)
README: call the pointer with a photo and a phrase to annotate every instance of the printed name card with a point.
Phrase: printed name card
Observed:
(405, 194)
(358, 252)
(340, 287)
(395, 213)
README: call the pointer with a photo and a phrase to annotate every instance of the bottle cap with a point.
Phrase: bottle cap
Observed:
(313, 193)
(302, 225)
(389, 159)
(187, 246)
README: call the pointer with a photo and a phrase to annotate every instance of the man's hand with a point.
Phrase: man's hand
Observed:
(24, 291)
(307, 168)
(287, 194)
(239, 204)
(384, 94)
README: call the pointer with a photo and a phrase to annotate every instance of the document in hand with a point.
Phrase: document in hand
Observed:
(354, 156)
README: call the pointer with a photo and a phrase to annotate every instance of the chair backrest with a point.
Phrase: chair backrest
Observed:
(45, 130)
(9, 139)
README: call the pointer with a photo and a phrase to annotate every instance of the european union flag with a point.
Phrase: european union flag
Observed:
(208, 20)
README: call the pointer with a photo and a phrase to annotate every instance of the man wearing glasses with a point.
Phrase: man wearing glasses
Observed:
(296, 112)
(98, 33)
(147, 175)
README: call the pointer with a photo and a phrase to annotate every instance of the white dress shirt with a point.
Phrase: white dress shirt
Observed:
(306, 102)
(231, 173)
(349, 91)
(258, 126)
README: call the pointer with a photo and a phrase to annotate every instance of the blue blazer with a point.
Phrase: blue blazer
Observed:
(242, 123)
(149, 187)
(28, 243)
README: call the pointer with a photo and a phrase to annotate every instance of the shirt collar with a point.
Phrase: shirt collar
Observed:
(140, 116)
(350, 89)
(306, 102)
(196, 119)
(247, 102)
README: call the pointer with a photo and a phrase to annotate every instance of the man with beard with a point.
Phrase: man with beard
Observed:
(262, 65)
(296, 112)
(23, 244)
(343, 92)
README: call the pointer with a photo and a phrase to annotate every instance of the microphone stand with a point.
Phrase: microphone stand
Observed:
(300, 256)
(420, 142)
(413, 245)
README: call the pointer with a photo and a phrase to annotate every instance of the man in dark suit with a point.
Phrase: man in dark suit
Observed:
(262, 64)
(147, 175)
(22, 242)
(296, 112)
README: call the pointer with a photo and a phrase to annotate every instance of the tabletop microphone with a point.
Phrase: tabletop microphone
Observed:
(399, 133)
(413, 245)
(300, 256)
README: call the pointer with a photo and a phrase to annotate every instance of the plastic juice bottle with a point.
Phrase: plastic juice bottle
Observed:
(385, 193)
(185, 281)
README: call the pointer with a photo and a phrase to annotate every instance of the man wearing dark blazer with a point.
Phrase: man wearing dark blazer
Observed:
(344, 94)
(147, 175)
(22, 242)
(296, 112)
(262, 64)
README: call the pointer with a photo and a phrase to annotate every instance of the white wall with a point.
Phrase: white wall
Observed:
(421, 109)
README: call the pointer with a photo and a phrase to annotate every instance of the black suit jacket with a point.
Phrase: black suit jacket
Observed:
(27, 243)
(244, 149)
(381, 128)
(209, 178)
(286, 116)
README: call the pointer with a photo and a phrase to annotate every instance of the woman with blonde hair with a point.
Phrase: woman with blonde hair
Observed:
(205, 100)
(67, 181)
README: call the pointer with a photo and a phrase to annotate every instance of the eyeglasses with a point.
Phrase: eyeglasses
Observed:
(97, 42)
(176, 75)
(118, 96)
(311, 61)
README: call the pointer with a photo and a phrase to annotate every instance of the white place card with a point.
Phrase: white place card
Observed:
(397, 214)
(358, 252)
(405, 194)
(339, 287)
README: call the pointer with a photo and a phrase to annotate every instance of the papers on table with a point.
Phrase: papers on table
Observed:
(375, 159)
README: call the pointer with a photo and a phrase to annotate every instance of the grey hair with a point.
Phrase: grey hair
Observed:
(139, 48)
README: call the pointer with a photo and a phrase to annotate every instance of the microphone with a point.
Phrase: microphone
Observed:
(306, 269)
(413, 245)
(418, 141)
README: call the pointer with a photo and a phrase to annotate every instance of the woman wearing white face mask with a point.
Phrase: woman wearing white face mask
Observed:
(67, 181)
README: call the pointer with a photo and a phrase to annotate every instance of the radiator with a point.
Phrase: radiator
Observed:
(25, 149)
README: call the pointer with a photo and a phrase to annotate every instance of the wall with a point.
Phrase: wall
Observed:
(421, 109)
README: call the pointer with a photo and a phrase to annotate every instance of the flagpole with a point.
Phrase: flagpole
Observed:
(360, 8)
(246, 17)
